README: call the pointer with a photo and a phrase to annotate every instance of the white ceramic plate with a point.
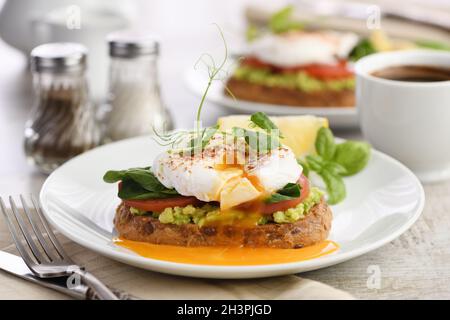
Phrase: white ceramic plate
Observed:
(383, 202)
(339, 117)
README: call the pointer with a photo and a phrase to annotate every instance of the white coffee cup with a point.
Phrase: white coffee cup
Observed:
(407, 120)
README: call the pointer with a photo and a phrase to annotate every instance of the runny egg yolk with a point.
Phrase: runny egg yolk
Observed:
(221, 174)
(241, 189)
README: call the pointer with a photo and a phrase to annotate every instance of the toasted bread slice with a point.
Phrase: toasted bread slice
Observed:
(313, 228)
(245, 90)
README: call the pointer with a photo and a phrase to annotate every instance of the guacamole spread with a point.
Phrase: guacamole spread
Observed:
(209, 213)
(300, 80)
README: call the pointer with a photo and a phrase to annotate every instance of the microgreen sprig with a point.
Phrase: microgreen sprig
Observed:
(197, 139)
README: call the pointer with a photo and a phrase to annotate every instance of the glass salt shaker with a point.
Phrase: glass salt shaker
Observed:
(62, 122)
(134, 105)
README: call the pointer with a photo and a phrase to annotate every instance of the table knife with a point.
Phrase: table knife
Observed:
(16, 266)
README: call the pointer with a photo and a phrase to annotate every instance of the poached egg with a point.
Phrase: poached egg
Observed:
(298, 48)
(223, 173)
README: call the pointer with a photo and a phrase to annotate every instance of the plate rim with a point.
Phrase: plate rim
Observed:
(228, 272)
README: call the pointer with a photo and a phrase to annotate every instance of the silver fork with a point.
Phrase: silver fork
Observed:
(47, 259)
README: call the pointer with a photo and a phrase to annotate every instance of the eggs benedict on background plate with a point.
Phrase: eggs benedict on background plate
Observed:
(288, 65)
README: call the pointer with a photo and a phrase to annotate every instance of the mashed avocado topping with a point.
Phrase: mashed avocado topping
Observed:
(301, 80)
(209, 213)
(293, 214)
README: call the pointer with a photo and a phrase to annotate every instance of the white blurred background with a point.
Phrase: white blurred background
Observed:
(184, 27)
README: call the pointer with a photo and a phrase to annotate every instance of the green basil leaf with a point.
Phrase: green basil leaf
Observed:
(315, 162)
(353, 156)
(335, 186)
(288, 192)
(335, 168)
(261, 120)
(257, 140)
(281, 21)
(324, 144)
(305, 167)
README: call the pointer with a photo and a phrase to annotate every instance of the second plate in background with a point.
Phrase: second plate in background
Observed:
(339, 117)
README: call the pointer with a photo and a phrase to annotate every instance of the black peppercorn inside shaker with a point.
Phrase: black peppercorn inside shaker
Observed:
(62, 122)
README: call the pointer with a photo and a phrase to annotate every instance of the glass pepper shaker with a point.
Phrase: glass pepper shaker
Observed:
(62, 122)
(134, 105)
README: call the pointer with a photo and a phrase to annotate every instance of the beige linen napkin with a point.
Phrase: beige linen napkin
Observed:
(151, 285)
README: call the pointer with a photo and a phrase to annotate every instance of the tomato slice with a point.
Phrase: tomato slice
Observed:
(158, 205)
(319, 71)
(328, 71)
(268, 208)
(255, 63)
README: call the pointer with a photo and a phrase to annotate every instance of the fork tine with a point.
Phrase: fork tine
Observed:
(37, 231)
(25, 232)
(48, 229)
(16, 238)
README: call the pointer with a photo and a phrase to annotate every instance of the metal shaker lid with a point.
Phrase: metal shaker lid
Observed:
(59, 57)
(131, 44)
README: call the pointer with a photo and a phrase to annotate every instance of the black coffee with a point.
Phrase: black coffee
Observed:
(414, 73)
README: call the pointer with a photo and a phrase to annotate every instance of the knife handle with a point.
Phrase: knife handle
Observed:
(122, 295)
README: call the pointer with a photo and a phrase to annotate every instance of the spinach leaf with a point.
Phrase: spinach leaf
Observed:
(147, 180)
(353, 156)
(112, 176)
(139, 183)
(324, 144)
(131, 190)
(288, 192)
(142, 176)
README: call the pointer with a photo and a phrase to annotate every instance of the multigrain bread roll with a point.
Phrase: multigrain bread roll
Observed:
(245, 90)
(313, 228)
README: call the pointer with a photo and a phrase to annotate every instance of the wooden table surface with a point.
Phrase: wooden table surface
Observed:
(415, 266)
